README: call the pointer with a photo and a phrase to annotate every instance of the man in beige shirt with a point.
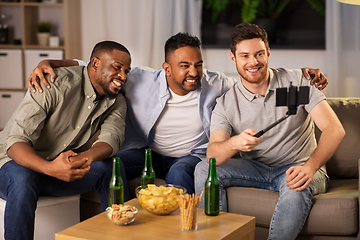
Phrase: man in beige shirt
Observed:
(42, 146)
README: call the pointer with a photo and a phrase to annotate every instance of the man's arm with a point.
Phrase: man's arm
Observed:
(61, 167)
(46, 66)
(222, 147)
(332, 133)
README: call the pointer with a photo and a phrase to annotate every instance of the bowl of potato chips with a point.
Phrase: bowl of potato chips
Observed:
(160, 200)
(121, 214)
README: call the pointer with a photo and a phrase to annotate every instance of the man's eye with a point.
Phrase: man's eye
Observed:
(184, 66)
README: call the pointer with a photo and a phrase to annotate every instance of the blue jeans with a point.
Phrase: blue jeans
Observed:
(21, 188)
(177, 171)
(292, 208)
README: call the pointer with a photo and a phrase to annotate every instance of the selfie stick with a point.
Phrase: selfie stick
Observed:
(259, 134)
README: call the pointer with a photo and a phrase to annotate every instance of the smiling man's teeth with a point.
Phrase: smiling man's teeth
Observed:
(117, 83)
(190, 80)
(252, 70)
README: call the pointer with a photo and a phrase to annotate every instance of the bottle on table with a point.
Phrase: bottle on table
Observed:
(148, 173)
(116, 186)
(212, 191)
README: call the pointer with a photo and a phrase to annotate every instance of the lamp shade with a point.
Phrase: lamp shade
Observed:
(356, 2)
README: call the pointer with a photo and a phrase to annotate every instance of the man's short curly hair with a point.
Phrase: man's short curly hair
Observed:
(178, 41)
(107, 46)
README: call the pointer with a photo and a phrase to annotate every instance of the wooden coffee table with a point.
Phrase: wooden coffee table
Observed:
(150, 226)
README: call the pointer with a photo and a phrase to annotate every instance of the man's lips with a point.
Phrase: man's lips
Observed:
(118, 83)
(253, 70)
(191, 80)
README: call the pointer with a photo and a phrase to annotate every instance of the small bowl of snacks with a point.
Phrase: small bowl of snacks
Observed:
(121, 214)
(160, 200)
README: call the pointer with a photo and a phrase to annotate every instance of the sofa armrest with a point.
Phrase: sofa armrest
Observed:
(358, 236)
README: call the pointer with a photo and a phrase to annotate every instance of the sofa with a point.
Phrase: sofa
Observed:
(334, 215)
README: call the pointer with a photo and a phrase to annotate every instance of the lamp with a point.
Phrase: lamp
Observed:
(356, 2)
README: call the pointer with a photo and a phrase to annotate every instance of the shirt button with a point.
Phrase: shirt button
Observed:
(161, 106)
(145, 135)
(47, 158)
(78, 127)
(167, 95)
(151, 122)
(64, 145)
(89, 107)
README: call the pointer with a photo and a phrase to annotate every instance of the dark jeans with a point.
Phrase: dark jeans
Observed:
(177, 171)
(21, 188)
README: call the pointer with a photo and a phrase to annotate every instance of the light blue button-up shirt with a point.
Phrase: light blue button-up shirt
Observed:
(146, 94)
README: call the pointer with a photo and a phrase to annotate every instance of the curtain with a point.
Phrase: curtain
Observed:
(143, 26)
(342, 49)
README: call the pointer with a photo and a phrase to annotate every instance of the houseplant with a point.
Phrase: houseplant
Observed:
(253, 9)
(43, 33)
(262, 12)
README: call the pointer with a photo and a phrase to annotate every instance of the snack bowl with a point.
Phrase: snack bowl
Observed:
(121, 214)
(160, 200)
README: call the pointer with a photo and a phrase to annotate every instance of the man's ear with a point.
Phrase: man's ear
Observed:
(232, 57)
(94, 63)
(167, 68)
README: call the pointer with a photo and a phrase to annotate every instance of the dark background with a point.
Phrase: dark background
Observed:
(299, 26)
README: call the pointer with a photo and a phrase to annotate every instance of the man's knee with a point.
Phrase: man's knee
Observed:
(201, 168)
(22, 182)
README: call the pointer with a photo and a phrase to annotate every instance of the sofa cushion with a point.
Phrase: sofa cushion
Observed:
(332, 213)
(343, 164)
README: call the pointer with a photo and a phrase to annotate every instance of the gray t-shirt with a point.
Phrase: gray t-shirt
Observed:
(293, 140)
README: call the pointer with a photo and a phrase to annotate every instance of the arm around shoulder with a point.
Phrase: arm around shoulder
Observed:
(47, 66)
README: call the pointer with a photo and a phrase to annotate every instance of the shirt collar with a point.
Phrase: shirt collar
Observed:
(88, 88)
(250, 96)
(164, 91)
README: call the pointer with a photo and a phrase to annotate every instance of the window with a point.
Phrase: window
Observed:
(299, 26)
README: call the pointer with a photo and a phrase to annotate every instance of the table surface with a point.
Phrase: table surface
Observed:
(150, 226)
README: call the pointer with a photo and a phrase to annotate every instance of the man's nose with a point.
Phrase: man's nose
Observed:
(122, 75)
(253, 60)
(193, 71)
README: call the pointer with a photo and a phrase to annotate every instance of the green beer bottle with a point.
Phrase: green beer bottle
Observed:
(148, 174)
(212, 191)
(116, 186)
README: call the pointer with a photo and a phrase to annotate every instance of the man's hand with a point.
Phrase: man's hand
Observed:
(38, 73)
(316, 76)
(65, 169)
(299, 177)
(79, 157)
(246, 141)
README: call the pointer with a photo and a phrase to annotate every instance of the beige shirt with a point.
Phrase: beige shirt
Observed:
(64, 117)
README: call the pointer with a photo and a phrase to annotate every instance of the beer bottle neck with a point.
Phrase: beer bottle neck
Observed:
(212, 170)
(148, 160)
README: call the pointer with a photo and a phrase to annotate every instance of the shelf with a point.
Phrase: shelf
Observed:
(43, 47)
(10, 46)
(10, 3)
(37, 4)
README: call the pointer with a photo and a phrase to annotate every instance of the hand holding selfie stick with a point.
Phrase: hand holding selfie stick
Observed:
(259, 134)
(291, 97)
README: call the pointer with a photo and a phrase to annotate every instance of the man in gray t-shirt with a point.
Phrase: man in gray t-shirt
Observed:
(286, 158)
